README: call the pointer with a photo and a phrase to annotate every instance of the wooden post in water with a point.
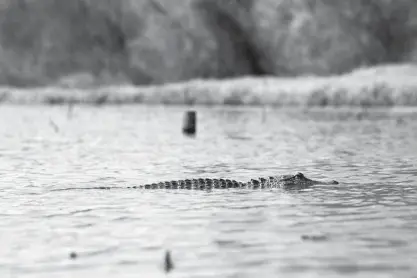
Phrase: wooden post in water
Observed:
(168, 264)
(190, 123)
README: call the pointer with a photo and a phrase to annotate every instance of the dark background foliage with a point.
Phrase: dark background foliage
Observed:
(157, 41)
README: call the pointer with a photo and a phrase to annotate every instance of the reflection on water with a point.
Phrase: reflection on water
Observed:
(365, 226)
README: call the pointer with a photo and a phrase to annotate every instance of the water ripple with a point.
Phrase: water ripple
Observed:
(364, 226)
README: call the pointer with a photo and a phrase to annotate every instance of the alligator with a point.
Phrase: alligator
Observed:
(297, 181)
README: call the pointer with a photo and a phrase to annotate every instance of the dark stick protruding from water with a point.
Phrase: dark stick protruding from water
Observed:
(73, 255)
(168, 264)
(190, 123)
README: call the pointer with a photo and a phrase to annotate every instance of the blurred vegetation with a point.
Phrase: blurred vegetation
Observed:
(99, 42)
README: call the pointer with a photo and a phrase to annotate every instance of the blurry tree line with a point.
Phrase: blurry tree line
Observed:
(156, 41)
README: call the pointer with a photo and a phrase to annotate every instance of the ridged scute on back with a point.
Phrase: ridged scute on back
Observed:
(297, 181)
(200, 183)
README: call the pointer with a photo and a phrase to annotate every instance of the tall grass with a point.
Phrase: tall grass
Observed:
(382, 86)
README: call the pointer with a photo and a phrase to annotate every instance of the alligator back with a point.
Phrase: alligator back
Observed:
(194, 184)
(297, 181)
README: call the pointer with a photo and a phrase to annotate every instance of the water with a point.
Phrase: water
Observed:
(364, 227)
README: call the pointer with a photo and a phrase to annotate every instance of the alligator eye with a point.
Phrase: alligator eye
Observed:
(299, 175)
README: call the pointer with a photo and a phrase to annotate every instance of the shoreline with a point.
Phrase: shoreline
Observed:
(387, 86)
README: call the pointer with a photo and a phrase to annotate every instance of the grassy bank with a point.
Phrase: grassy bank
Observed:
(394, 85)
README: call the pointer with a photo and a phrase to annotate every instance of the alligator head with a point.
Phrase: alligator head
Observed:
(300, 181)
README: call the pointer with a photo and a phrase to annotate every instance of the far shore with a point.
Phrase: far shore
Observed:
(389, 85)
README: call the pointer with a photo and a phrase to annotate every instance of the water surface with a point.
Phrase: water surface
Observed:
(365, 226)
